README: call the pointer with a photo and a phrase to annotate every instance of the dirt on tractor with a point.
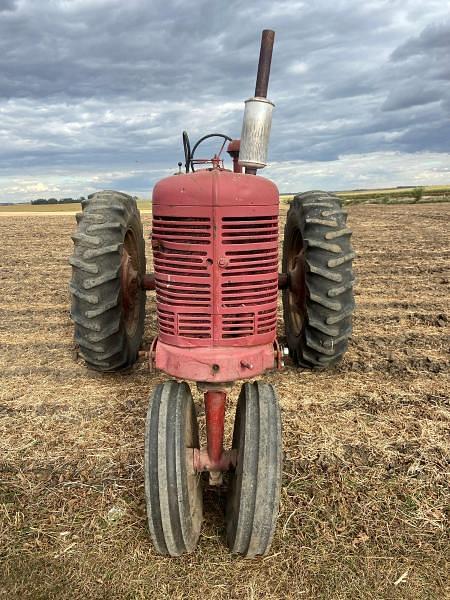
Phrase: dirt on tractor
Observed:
(365, 496)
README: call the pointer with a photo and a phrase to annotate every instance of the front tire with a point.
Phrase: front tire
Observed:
(318, 302)
(173, 488)
(108, 264)
(254, 492)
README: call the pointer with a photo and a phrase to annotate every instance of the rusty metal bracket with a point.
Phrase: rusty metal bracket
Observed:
(283, 281)
(278, 350)
(148, 281)
(152, 355)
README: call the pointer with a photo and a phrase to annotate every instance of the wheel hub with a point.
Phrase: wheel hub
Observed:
(130, 283)
(297, 288)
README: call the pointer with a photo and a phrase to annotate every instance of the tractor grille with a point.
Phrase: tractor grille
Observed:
(216, 289)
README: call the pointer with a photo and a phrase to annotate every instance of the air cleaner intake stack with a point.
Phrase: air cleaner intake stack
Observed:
(258, 113)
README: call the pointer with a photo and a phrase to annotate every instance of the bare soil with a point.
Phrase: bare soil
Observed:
(365, 497)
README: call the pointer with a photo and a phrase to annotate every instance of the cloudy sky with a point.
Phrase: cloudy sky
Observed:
(95, 93)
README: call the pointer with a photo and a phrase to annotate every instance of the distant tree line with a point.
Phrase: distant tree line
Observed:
(56, 201)
(62, 200)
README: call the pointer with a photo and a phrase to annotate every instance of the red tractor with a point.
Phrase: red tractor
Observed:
(215, 249)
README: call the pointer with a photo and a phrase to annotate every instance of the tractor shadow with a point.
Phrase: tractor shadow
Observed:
(214, 508)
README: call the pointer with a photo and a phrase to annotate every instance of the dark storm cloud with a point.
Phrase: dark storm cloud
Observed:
(104, 49)
(350, 88)
(7, 5)
(411, 94)
(434, 39)
(420, 71)
(106, 85)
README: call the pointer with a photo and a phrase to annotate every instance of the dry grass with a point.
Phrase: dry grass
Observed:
(364, 510)
(396, 190)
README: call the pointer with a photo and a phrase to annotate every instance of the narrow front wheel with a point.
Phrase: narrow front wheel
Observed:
(172, 486)
(254, 493)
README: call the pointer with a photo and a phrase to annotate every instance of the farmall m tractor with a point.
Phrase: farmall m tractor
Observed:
(215, 249)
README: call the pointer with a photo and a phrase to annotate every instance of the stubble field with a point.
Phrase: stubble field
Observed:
(365, 496)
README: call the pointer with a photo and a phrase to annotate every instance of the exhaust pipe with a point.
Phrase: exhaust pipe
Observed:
(258, 113)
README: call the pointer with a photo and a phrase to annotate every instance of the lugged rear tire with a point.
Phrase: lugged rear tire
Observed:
(318, 302)
(108, 328)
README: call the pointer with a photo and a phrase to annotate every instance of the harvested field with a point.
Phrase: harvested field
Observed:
(365, 498)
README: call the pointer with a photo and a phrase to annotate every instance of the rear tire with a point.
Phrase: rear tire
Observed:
(318, 302)
(109, 324)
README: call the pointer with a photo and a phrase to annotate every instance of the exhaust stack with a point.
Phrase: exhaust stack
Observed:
(258, 113)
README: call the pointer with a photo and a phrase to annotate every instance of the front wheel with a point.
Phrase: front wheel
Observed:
(173, 487)
(254, 492)
(318, 302)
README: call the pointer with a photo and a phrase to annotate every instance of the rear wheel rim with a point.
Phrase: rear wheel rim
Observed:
(297, 288)
(130, 283)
